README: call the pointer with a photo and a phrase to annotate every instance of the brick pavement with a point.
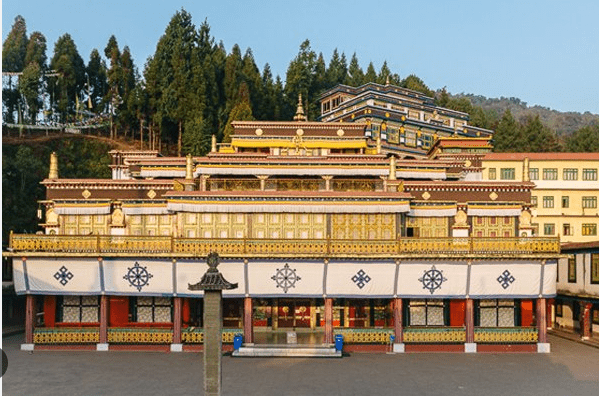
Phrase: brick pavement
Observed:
(571, 369)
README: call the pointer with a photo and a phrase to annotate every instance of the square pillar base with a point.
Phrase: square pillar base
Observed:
(399, 347)
(176, 347)
(470, 347)
(101, 347)
(543, 347)
(27, 347)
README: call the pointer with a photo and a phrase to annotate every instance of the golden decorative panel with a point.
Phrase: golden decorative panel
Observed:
(140, 336)
(429, 227)
(510, 335)
(66, 336)
(434, 335)
(288, 226)
(151, 194)
(362, 226)
(86, 194)
(366, 336)
(354, 185)
(493, 226)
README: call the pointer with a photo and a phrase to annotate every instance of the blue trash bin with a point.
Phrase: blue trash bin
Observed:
(339, 342)
(237, 341)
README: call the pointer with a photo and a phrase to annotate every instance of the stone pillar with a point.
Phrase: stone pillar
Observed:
(248, 317)
(470, 346)
(543, 345)
(204, 182)
(103, 344)
(398, 345)
(213, 314)
(29, 322)
(177, 345)
(585, 322)
(328, 320)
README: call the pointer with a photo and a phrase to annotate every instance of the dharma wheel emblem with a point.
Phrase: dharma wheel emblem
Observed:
(286, 278)
(138, 276)
(432, 279)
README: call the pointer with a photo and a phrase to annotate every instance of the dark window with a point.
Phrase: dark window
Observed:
(572, 270)
(427, 313)
(496, 313)
(594, 268)
(78, 309)
(151, 309)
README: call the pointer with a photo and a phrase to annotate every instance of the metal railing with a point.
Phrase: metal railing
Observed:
(106, 244)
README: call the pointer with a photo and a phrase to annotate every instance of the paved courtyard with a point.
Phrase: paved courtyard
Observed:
(571, 369)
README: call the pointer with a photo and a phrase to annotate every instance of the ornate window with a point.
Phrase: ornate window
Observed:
(150, 309)
(427, 313)
(496, 313)
(78, 309)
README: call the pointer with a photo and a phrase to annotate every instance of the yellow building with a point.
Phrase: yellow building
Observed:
(566, 193)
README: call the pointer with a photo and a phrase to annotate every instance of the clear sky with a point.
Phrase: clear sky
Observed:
(544, 52)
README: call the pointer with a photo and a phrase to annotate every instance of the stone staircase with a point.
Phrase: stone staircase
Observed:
(287, 350)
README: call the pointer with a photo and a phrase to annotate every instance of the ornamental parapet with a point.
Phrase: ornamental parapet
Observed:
(235, 247)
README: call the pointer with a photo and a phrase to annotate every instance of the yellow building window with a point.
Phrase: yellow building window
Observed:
(548, 202)
(589, 202)
(594, 268)
(492, 173)
(533, 173)
(508, 174)
(570, 174)
(549, 229)
(549, 173)
(589, 174)
(565, 202)
(567, 229)
(589, 229)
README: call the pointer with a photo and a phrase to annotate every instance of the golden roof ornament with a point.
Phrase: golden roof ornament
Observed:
(189, 167)
(213, 148)
(299, 113)
(53, 174)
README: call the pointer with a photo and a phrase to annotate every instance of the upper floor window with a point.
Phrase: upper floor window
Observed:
(589, 229)
(508, 174)
(492, 174)
(589, 174)
(567, 229)
(570, 174)
(548, 202)
(533, 200)
(549, 173)
(533, 173)
(589, 202)
(549, 229)
(565, 201)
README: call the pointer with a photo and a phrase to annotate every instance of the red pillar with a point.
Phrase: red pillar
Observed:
(248, 320)
(29, 318)
(542, 320)
(469, 320)
(103, 319)
(328, 320)
(398, 320)
(585, 323)
(177, 318)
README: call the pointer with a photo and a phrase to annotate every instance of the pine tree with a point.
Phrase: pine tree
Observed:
(586, 139)
(14, 50)
(68, 85)
(30, 88)
(414, 83)
(370, 75)
(300, 79)
(36, 50)
(355, 75)
(337, 69)
(241, 112)
(507, 136)
(97, 82)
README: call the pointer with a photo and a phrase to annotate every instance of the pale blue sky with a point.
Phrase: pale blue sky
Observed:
(543, 52)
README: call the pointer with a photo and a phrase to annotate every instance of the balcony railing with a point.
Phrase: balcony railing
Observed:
(152, 245)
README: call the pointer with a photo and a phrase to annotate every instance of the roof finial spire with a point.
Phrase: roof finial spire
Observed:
(299, 114)
(53, 174)
(387, 82)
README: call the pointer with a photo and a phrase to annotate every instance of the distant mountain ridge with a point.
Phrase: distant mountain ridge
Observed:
(563, 123)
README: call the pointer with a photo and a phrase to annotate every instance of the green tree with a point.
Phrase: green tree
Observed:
(370, 75)
(97, 84)
(507, 136)
(36, 50)
(300, 79)
(14, 50)
(70, 82)
(586, 139)
(537, 137)
(241, 112)
(355, 75)
(414, 83)
(337, 70)
(30, 87)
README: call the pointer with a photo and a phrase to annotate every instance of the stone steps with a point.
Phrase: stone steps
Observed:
(287, 350)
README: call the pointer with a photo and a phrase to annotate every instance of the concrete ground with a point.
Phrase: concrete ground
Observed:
(571, 369)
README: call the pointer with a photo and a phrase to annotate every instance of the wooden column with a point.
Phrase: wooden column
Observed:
(469, 319)
(103, 319)
(585, 322)
(542, 320)
(29, 318)
(177, 319)
(248, 320)
(328, 320)
(398, 320)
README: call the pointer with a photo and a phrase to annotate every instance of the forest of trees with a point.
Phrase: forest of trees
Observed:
(191, 88)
